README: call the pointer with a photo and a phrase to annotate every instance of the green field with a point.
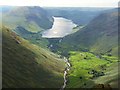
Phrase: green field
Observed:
(87, 69)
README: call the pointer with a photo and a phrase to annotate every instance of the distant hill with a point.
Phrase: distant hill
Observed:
(31, 18)
(99, 36)
(28, 22)
(5, 8)
(26, 65)
(79, 15)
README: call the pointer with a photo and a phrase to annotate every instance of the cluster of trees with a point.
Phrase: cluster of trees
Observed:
(96, 73)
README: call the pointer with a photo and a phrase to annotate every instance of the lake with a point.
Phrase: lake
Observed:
(61, 27)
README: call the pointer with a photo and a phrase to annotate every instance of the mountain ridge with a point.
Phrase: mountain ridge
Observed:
(31, 18)
(99, 36)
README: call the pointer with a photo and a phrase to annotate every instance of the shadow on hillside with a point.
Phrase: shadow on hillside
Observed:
(20, 68)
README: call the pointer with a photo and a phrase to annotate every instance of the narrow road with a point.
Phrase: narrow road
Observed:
(65, 73)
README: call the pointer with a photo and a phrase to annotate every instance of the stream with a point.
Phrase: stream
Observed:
(61, 27)
(65, 73)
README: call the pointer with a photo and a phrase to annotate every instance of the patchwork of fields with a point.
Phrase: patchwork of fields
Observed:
(88, 68)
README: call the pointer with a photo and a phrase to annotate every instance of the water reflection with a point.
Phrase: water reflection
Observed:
(61, 27)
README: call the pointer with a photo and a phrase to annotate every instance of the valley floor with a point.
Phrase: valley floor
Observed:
(28, 62)
(89, 70)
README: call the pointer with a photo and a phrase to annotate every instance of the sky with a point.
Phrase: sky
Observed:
(61, 3)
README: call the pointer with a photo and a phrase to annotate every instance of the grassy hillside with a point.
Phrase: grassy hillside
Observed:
(88, 70)
(99, 36)
(112, 76)
(31, 18)
(35, 38)
(28, 22)
(26, 65)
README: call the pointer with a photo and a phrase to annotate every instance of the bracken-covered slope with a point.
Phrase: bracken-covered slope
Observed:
(30, 18)
(100, 35)
(28, 66)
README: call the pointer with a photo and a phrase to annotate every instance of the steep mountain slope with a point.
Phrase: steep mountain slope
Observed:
(100, 35)
(31, 18)
(28, 66)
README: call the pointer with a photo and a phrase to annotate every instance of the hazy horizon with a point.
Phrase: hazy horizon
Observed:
(65, 3)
